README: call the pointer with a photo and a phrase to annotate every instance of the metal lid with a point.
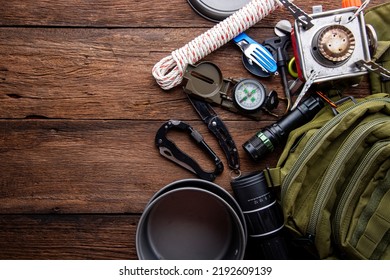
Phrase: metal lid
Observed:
(216, 10)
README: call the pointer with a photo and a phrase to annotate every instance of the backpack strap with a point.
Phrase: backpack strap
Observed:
(273, 176)
(377, 229)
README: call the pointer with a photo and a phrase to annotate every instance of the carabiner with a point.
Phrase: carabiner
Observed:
(169, 150)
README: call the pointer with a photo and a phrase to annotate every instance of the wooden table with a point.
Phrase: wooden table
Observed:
(79, 110)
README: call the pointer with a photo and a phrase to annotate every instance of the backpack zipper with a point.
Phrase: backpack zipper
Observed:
(349, 193)
(332, 174)
(315, 140)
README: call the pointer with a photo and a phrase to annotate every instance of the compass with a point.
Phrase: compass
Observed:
(244, 96)
(249, 95)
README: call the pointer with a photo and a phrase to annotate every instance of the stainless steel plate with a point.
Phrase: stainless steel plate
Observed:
(216, 10)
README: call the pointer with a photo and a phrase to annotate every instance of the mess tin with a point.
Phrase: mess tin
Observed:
(191, 219)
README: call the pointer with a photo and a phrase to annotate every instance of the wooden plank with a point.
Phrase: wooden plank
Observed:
(101, 73)
(54, 166)
(103, 13)
(98, 13)
(61, 237)
(75, 73)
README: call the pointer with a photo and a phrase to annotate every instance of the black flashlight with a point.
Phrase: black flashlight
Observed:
(268, 138)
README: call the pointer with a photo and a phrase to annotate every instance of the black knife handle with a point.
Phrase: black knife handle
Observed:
(225, 140)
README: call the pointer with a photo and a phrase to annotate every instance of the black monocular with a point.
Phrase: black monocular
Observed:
(263, 215)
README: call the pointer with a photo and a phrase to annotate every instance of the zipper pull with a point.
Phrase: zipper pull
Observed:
(307, 240)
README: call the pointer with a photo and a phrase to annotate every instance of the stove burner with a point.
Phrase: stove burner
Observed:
(336, 43)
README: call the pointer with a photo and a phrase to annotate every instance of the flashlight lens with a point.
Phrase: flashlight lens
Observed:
(258, 145)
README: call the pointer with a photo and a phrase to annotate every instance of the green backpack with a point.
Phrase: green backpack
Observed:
(334, 172)
(334, 175)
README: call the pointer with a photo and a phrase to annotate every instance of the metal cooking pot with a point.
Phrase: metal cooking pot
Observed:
(191, 219)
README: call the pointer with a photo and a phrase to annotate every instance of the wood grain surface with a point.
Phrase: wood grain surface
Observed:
(79, 110)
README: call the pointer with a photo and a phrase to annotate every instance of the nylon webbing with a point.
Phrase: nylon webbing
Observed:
(376, 229)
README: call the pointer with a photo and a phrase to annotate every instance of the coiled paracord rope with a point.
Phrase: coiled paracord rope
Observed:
(169, 71)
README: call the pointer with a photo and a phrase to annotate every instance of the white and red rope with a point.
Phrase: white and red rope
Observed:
(168, 72)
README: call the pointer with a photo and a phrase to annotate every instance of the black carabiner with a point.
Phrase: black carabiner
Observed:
(169, 150)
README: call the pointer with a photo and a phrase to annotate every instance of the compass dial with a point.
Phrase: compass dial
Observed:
(249, 95)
